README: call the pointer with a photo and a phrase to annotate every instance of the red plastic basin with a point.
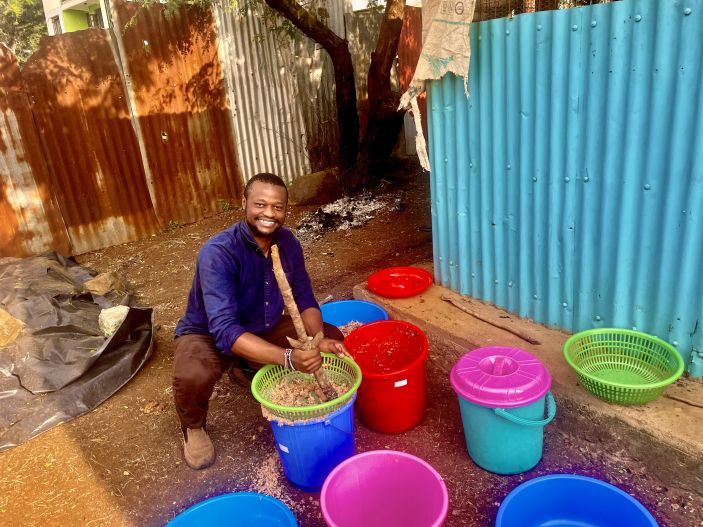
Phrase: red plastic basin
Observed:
(399, 282)
(391, 355)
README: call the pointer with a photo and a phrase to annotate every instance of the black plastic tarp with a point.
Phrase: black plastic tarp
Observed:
(61, 365)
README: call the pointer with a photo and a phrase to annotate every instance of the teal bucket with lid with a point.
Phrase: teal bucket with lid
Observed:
(502, 395)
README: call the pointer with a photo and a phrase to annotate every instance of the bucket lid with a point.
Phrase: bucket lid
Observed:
(500, 377)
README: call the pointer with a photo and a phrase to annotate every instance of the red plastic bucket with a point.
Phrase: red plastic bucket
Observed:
(391, 355)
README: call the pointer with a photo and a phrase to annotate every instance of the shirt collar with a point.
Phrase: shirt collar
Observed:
(248, 237)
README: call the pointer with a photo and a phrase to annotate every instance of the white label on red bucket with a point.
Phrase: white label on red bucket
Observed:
(398, 384)
(283, 447)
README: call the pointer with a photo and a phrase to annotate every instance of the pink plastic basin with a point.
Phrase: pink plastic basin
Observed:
(384, 488)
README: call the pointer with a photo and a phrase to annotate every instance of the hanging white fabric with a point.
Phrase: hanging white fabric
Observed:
(445, 49)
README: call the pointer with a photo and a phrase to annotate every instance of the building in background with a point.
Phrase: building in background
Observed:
(65, 16)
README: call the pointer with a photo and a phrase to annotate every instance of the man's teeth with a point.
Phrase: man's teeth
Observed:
(266, 222)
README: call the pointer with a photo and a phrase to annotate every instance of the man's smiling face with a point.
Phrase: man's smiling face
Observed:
(265, 209)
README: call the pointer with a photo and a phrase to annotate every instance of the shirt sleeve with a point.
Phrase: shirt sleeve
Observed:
(217, 270)
(300, 279)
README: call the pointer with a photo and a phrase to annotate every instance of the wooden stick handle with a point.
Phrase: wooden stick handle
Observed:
(287, 292)
(325, 384)
(289, 301)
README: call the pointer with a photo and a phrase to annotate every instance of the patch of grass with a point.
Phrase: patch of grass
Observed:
(225, 205)
(173, 225)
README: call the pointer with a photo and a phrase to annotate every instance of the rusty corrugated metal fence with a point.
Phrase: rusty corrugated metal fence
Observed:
(30, 219)
(80, 109)
(179, 99)
(108, 136)
(80, 155)
(409, 49)
(97, 155)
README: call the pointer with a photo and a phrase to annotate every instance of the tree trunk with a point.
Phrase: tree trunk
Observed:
(385, 121)
(338, 49)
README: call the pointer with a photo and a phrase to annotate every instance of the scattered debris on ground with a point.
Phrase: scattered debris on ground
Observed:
(74, 474)
(344, 214)
(267, 479)
(154, 407)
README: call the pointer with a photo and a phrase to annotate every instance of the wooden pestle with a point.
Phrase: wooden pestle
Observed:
(304, 342)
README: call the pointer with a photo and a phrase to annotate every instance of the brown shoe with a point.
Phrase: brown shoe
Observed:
(198, 450)
(241, 373)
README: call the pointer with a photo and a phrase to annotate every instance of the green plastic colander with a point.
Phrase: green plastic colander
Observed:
(623, 366)
(338, 370)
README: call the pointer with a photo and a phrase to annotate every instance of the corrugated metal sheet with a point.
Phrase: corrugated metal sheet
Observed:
(336, 10)
(282, 95)
(568, 187)
(78, 104)
(30, 220)
(174, 72)
(409, 49)
(316, 94)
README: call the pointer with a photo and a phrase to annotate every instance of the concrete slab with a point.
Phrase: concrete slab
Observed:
(673, 422)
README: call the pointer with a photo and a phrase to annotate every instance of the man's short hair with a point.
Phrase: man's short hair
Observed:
(265, 177)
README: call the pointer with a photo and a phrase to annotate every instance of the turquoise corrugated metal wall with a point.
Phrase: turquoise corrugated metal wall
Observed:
(568, 186)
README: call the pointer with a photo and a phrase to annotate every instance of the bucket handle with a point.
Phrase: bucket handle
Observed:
(551, 412)
(330, 423)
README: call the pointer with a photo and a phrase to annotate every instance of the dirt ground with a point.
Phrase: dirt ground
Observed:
(121, 464)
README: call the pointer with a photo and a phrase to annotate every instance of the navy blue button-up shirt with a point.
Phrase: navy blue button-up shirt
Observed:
(234, 289)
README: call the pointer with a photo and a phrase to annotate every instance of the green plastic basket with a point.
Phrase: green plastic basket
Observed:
(338, 370)
(623, 366)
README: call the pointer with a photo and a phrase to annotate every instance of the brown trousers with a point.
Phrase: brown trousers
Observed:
(198, 365)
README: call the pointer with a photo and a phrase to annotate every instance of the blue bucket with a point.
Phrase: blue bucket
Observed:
(566, 499)
(506, 442)
(239, 509)
(310, 450)
(342, 312)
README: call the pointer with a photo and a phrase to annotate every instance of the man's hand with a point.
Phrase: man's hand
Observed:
(334, 346)
(306, 361)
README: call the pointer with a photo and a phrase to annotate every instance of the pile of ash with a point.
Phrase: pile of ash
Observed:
(345, 213)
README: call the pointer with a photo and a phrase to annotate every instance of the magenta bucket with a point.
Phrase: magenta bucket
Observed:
(503, 397)
(384, 488)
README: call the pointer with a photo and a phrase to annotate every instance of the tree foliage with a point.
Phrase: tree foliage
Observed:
(22, 24)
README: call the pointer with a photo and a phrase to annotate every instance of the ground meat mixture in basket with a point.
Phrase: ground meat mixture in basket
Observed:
(301, 391)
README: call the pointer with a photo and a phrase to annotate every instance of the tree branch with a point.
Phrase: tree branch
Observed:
(308, 23)
(345, 89)
(383, 56)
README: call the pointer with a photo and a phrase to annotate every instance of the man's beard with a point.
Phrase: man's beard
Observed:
(258, 234)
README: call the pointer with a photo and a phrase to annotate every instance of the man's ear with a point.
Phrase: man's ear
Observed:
(244, 202)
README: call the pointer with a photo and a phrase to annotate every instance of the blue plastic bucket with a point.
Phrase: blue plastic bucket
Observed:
(566, 499)
(239, 509)
(502, 393)
(310, 450)
(342, 312)
(506, 441)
